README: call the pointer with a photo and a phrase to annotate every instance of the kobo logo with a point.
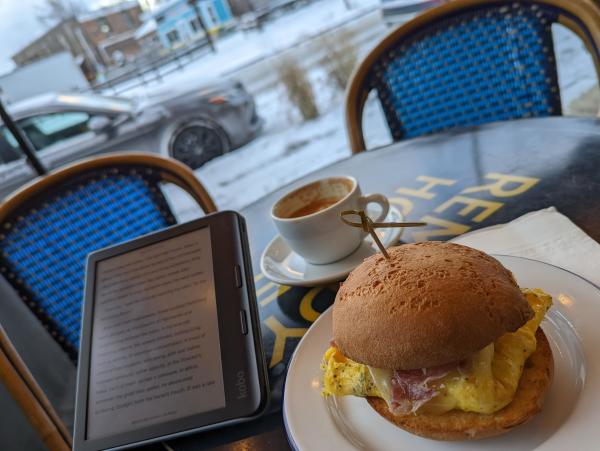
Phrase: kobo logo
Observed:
(241, 385)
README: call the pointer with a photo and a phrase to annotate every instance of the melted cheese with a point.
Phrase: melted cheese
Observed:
(488, 385)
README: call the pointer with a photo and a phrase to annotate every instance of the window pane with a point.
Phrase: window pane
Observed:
(195, 25)
(8, 136)
(104, 25)
(173, 36)
(9, 149)
(48, 129)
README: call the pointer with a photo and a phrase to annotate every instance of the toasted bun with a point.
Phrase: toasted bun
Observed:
(432, 303)
(458, 425)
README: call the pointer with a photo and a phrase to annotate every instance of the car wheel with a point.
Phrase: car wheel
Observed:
(197, 142)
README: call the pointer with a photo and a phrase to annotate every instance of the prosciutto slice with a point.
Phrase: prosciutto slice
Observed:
(410, 388)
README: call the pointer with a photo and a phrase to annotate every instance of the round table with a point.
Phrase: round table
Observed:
(455, 181)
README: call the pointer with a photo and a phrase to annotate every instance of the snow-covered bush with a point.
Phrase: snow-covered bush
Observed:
(298, 87)
(340, 58)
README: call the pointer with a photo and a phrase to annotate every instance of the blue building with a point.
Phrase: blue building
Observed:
(177, 23)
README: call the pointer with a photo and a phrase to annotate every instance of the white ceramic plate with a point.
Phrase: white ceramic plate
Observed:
(282, 265)
(568, 421)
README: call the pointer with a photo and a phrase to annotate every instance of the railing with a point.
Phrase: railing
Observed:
(149, 69)
(258, 75)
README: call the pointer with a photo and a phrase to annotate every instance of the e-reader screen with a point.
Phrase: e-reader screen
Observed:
(155, 353)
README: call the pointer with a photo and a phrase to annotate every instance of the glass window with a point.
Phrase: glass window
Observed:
(211, 13)
(173, 37)
(48, 129)
(129, 19)
(9, 149)
(104, 25)
(195, 25)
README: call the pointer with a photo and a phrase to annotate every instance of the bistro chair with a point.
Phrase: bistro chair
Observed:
(24, 389)
(48, 227)
(468, 62)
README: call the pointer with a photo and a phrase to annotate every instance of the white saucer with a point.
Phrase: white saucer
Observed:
(283, 266)
(568, 420)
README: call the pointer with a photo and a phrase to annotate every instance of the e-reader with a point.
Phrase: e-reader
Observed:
(170, 339)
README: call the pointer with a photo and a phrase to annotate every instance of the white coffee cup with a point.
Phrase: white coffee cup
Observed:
(309, 221)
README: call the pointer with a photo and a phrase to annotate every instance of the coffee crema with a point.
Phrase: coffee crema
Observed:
(314, 206)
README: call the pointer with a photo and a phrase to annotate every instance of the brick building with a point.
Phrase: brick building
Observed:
(111, 31)
(94, 39)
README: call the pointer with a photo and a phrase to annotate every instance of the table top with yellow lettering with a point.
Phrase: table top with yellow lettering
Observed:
(456, 182)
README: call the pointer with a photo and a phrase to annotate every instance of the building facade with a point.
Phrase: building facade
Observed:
(96, 39)
(66, 36)
(112, 30)
(177, 22)
(147, 38)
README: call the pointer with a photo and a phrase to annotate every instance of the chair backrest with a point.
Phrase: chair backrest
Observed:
(48, 227)
(466, 63)
(25, 390)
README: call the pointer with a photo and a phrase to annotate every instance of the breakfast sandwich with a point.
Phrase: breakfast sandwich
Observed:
(441, 341)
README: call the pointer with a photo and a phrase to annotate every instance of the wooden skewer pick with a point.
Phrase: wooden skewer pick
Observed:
(369, 226)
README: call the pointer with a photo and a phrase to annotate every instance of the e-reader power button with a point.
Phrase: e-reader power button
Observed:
(237, 275)
(244, 322)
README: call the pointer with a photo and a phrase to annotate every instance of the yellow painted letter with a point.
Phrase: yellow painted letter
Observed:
(306, 309)
(424, 192)
(406, 205)
(282, 333)
(448, 228)
(470, 205)
(498, 187)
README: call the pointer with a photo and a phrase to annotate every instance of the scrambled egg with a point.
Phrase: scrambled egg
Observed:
(488, 385)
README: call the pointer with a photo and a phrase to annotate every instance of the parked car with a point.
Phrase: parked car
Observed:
(396, 12)
(192, 126)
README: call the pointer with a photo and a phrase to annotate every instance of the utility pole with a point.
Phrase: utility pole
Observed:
(211, 44)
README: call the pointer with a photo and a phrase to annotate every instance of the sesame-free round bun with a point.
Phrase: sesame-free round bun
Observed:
(459, 425)
(432, 303)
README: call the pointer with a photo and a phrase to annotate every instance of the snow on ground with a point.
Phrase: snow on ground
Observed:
(289, 149)
(576, 72)
(278, 157)
(239, 49)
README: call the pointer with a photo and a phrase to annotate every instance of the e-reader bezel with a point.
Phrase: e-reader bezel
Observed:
(240, 353)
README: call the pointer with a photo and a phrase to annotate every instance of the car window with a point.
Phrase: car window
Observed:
(9, 148)
(48, 129)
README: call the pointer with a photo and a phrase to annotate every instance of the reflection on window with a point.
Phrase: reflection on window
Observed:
(9, 149)
(48, 129)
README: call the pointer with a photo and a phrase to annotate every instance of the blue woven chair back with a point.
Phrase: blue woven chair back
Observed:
(492, 63)
(45, 243)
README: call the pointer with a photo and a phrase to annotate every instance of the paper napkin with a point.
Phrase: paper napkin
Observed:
(546, 235)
